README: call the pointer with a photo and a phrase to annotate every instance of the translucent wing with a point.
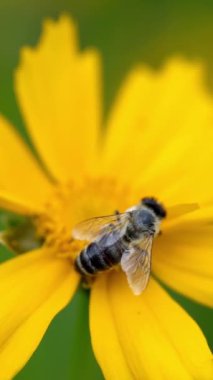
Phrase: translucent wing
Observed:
(136, 263)
(95, 228)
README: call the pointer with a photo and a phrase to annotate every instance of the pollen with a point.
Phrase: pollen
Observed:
(73, 202)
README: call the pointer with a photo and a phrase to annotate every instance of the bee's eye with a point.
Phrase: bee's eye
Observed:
(155, 206)
(145, 219)
(148, 220)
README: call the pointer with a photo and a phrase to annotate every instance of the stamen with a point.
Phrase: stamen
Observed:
(72, 203)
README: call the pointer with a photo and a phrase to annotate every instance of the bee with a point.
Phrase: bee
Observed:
(123, 238)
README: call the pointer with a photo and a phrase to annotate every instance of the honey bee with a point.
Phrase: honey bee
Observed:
(123, 238)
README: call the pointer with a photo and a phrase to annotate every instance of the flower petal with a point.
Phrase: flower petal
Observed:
(33, 289)
(182, 256)
(163, 122)
(145, 341)
(11, 203)
(58, 91)
(21, 179)
(106, 348)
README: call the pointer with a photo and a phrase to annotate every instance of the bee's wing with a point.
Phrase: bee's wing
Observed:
(95, 228)
(136, 263)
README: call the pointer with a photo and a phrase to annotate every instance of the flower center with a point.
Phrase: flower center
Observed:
(71, 203)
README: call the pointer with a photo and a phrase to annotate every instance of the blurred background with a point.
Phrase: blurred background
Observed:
(126, 32)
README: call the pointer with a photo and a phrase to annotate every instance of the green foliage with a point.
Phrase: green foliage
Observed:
(65, 351)
(18, 233)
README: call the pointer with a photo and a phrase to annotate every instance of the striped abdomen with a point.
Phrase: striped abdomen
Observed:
(96, 258)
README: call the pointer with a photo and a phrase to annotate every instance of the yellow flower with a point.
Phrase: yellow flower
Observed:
(157, 141)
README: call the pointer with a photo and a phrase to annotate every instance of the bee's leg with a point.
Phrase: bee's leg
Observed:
(160, 233)
(117, 213)
(87, 281)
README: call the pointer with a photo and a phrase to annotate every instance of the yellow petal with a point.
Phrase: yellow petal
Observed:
(107, 348)
(22, 182)
(11, 203)
(59, 95)
(160, 133)
(153, 335)
(182, 256)
(33, 289)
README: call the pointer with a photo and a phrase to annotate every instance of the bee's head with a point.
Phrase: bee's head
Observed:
(155, 206)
